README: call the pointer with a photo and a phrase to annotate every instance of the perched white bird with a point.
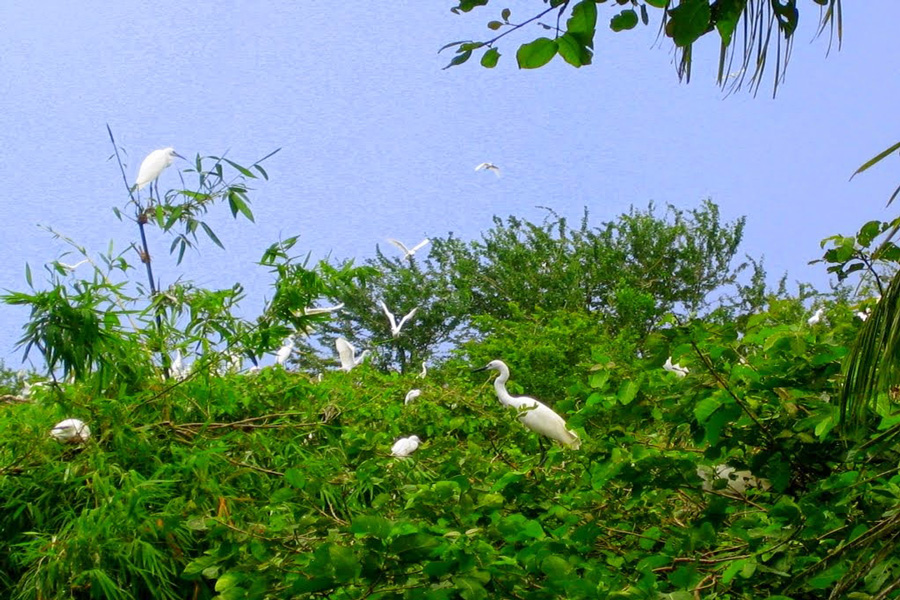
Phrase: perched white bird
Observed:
(423, 372)
(738, 482)
(347, 353)
(396, 327)
(177, 369)
(534, 414)
(676, 368)
(412, 395)
(816, 318)
(486, 166)
(152, 166)
(285, 351)
(408, 252)
(405, 446)
(864, 315)
(317, 310)
(71, 431)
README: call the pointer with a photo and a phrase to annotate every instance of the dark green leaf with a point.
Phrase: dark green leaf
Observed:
(490, 58)
(573, 52)
(688, 21)
(459, 59)
(627, 19)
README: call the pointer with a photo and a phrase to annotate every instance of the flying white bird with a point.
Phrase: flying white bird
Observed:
(69, 267)
(347, 353)
(317, 310)
(70, 431)
(152, 166)
(676, 368)
(412, 395)
(817, 316)
(423, 372)
(408, 252)
(405, 446)
(395, 327)
(534, 414)
(486, 166)
(285, 351)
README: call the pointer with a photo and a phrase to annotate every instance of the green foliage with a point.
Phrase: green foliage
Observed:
(684, 22)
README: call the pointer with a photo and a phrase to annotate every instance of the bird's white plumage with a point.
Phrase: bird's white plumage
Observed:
(285, 351)
(486, 166)
(317, 310)
(405, 446)
(71, 431)
(424, 372)
(534, 414)
(676, 368)
(152, 166)
(817, 316)
(408, 252)
(177, 369)
(412, 395)
(396, 327)
(347, 354)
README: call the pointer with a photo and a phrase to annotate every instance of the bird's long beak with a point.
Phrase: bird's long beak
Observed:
(179, 156)
(484, 368)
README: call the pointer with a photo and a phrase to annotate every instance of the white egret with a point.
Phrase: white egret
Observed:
(423, 372)
(676, 368)
(177, 369)
(396, 327)
(816, 318)
(71, 431)
(412, 395)
(408, 252)
(862, 316)
(152, 166)
(405, 446)
(317, 310)
(486, 166)
(347, 353)
(285, 351)
(738, 482)
(534, 414)
(69, 267)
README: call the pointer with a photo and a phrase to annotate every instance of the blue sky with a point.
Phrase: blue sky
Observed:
(378, 141)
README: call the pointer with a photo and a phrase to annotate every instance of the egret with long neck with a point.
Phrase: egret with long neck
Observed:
(534, 414)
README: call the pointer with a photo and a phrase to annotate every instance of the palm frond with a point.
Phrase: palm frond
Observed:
(873, 365)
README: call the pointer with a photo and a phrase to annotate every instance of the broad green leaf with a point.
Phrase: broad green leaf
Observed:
(490, 58)
(583, 23)
(705, 408)
(627, 19)
(557, 568)
(536, 54)
(688, 21)
(371, 525)
(572, 51)
(627, 391)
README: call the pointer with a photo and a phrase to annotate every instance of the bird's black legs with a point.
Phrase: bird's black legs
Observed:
(543, 453)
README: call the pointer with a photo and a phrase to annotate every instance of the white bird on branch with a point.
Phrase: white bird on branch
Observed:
(405, 446)
(347, 353)
(408, 252)
(534, 414)
(70, 431)
(486, 166)
(396, 327)
(412, 395)
(676, 368)
(285, 351)
(152, 166)
(814, 320)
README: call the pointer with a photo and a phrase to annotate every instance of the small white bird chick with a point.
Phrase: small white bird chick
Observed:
(676, 368)
(412, 395)
(405, 446)
(71, 431)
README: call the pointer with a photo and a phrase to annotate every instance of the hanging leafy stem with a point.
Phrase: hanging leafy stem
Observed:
(683, 21)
